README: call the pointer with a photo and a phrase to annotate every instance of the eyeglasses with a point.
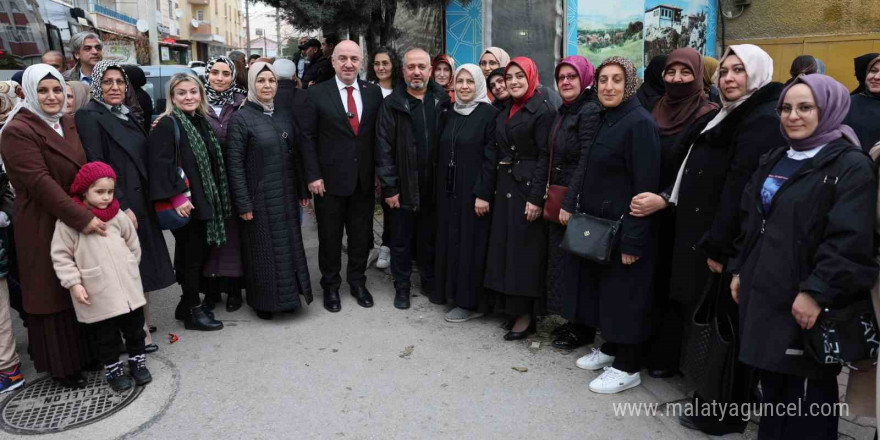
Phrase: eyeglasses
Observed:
(111, 82)
(801, 110)
(570, 77)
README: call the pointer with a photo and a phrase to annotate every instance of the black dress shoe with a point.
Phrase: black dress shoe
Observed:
(401, 299)
(182, 312)
(151, 348)
(264, 315)
(514, 336)
(570, 341)
(661, 373)
(363, 296)
(331, 301)
(233, 301)
(199, 320)
(153, 329)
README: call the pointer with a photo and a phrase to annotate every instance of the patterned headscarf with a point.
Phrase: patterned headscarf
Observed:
(480, 93)
(255, 70)
(227, 96)
(631, 80)
(7, 99)
(98, 76)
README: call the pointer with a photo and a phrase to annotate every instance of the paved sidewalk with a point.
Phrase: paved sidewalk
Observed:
(368, 373)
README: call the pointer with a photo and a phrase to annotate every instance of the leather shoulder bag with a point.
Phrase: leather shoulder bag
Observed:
(554, 194)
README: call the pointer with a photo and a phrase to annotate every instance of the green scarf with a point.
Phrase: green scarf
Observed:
(216, 190)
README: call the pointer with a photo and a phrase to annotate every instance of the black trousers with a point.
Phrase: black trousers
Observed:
(106, 335)
(627, 357)
(412, 236)
(353, 215)
(190, 252)
(784, 390)
(386, 224)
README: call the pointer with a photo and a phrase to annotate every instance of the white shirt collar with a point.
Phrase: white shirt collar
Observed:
(341, 85)
(82, 75)
(806, 154)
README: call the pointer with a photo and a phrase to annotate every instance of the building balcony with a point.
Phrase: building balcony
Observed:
(199, 2)
(112, 13)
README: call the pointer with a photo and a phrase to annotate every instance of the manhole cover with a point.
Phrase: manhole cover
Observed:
(44, 406)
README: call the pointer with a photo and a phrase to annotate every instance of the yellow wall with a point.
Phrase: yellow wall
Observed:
(837, 52)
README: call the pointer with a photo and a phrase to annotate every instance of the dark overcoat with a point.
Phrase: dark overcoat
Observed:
(623, 161)
(123, 145)
(41, 166)
(266, 179)
(864, 112)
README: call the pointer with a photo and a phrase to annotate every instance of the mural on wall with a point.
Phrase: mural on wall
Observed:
(672, 24)
(464, 31)
(641, 29)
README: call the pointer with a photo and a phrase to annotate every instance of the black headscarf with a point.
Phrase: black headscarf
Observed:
(135, 75)
(653, 87)
(861, 66)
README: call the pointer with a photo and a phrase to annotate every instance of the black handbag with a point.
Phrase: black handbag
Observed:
(845, 335)
(589, 237)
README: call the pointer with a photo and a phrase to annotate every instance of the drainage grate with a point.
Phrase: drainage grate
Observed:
(44, 406)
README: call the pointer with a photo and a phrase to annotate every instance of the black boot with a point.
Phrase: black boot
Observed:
(401, 298)
(264, 315)
(116, 377)
(181, 313)
(199, 320)
(138, 368)
(233, 300)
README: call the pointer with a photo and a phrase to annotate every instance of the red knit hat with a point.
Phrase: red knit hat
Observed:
(89, 174)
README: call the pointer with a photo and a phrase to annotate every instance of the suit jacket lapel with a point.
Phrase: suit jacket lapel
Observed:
(113, 126)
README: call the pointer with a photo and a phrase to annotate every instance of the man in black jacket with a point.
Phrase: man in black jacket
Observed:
(339, 122)
(320, 68)
(405, 151)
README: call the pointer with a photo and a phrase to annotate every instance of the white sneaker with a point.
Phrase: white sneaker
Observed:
(595, 360)
(384, 260)
(614, 381)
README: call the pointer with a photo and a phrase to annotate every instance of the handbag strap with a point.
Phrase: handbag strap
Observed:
(176, 140)
(550, 161)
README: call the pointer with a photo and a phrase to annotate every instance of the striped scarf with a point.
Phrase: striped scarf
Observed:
(216, 190)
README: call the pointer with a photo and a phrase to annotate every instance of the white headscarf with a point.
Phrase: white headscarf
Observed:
(759, 69)
(253, 71)
(480, 94)
(30, 80)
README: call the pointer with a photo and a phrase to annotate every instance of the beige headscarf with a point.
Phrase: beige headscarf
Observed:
(465, 108)
(80, 94)
(499, 54)
(253, 71)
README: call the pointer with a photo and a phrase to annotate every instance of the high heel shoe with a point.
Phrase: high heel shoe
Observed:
(199, 320)
(514, 336)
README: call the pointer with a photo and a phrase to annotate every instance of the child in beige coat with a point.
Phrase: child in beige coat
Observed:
(101, 271)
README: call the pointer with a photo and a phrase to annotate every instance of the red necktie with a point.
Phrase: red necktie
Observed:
(352, 110)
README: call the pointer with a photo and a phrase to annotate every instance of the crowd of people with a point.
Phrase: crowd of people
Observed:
(719, 184)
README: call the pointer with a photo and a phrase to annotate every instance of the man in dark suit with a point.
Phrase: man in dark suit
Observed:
(340, 128)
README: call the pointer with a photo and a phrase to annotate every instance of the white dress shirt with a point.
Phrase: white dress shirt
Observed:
(343, 94)
(805, 154)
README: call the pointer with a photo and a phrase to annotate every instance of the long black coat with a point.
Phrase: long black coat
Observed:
(623, 161)
(517, 258)
(123, 146)
(864, 112)
(462, 237)
(719, 166)
(266, 179)
(817, 237)
(573, 132)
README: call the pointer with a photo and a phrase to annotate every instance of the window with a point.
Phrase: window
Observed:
(2, 8)
(170, 9)
(200, 15)
(24, 33)
(13, 7)
(216, 9)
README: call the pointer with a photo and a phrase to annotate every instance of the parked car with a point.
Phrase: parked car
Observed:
(157, 83)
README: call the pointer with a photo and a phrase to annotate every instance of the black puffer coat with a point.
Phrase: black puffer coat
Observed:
(265, 178)
(817, 238)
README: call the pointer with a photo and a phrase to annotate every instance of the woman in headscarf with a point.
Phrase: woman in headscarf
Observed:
(517, 256)
(267, 184)
(497, 88)
(491, 59)
(109, 134)
(708, 191)
(78, 96)
(223, 269)
(464, 151)
(710, 67)
(442, 68)
(42, 153)
(136, 93)
(808, 247)
(864, 109)
(187, 169)
(653, 88)
(7, 100)
(623, 161)
(572, 132)
(681, 113)
(861, 67)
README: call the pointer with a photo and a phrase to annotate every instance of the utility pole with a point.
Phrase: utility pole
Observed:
(247, 21)
(279, 49)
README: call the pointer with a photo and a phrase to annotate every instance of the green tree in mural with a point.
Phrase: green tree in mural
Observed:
(372, 19)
